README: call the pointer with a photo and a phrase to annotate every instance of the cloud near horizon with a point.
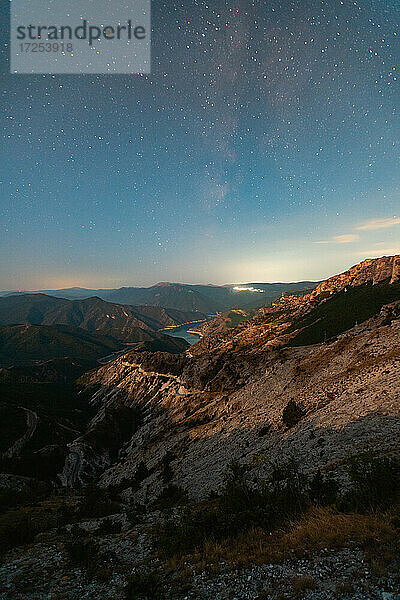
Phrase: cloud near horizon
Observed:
(373, 224)
(346, 238)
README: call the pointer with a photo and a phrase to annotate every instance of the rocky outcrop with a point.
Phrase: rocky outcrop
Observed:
(372, 270)
(373, 282)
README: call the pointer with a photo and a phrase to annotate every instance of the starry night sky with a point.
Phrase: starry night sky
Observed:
(262, 147)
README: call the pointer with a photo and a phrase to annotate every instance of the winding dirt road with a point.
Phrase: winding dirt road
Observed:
(31, 425)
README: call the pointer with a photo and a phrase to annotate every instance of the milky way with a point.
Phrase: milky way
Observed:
(263, 146)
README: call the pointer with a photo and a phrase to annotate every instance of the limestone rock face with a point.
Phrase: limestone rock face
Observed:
(273, 326)
(372, 270)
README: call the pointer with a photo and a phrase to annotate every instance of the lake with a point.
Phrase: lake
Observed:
(182, 332)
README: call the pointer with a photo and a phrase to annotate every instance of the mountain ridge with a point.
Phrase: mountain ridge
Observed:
(270, 327)
(217, 400)
(211, 404)
(187, 297)
(123, 322)
(250, 436)
(22, 344)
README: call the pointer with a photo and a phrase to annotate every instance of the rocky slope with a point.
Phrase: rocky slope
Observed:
(151, 425)
(40, 409)
(189, 415)
(333, 351)
(375, 270)
(334, 306)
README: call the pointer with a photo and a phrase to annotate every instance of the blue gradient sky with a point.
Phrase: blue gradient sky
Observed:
(263, 147)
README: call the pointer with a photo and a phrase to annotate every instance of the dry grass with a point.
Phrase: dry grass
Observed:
(319, 528)
(323, 528)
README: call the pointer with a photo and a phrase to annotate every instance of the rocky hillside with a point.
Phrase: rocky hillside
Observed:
(374, 270)
(304, 397)
(335, 305)
(196, 412)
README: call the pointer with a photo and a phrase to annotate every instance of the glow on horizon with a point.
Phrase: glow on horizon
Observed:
(246, 156)
(238, 288)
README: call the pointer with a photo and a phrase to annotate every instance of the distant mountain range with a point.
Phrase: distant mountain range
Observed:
(194, 298)
(122, 322)
(39, 327)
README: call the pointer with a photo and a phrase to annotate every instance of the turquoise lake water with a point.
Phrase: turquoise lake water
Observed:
(182, 332)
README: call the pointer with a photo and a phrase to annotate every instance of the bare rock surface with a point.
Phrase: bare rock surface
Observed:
(204, 413)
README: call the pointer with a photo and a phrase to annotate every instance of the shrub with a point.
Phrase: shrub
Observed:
(96, 503)
(292, 414)
(108, 526)
(103, 574)
(375, 482)
(264, 430)
(236, 494)
(9, 498)
(76, 531)
(19, 526)
(323, 491)
(16, 529)
(65, 514)
(142, 473)
(396, 522)
(134, 482)
(34, 492)
(134, 514)
(167, 472)
(284, 500)
(238, 509)
(197, 525)
(171, 496)
(302, 584)
(344, 588)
